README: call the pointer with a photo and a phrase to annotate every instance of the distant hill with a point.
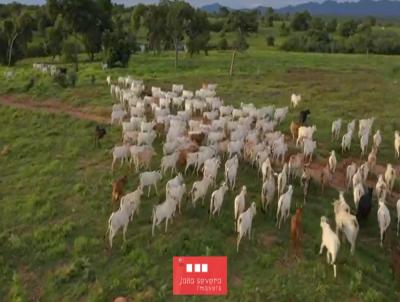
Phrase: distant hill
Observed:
(382, 8)
(211, 8)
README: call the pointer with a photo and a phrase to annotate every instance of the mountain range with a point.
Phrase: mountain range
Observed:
(380, 8)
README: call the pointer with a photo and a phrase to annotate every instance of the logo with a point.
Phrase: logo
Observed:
(200, 276)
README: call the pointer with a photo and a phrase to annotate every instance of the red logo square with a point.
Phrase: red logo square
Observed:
(200, 275)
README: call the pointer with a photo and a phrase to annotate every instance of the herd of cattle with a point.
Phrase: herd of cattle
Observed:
(199, 131)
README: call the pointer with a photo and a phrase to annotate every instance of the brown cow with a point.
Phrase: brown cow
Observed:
(296, 229)
(326, 177)
(197, 137)
(294, 129)
(118, 189)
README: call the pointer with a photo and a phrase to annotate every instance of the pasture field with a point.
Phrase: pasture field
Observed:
(55, 187)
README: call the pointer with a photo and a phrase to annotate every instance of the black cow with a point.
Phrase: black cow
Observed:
(99, 133)
(303, 116)
(365, 205)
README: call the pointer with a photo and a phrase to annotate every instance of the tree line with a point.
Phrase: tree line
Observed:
(313, 34)
(110, 32)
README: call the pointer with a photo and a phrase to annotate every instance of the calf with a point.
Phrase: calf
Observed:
(99, 133)
(296, 229)
(118, 189)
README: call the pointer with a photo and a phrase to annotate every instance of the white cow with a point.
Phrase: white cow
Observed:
(336, 127)
(217, 198)
(332, 161)
(244, 223)
(346, 223)
(331, 241)
(200, 189)
(240, 202)
(163, 211)
(148, 179)
(283, 210)
(383, 219)
(268, 191)
(295, 100)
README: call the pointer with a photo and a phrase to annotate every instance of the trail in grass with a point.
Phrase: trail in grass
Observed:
(53, 106)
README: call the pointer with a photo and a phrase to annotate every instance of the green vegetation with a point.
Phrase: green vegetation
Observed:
(57, 203)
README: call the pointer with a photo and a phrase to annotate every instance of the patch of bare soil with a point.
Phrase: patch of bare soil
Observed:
(54, 106)
(31, 283)
(267, 240)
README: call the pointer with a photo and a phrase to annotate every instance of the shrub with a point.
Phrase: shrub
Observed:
(60, 79)
(30, 84)
(270, 41)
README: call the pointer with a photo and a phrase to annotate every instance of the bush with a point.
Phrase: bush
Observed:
(223, 44)
(270, 41)
(60, 79)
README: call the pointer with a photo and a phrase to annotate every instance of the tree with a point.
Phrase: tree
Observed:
(242, 23)
(347, 28)
(198, 33)
(317, 24)
(284, 30)
(86, 20)
(118, 45)
(223, 12)
(153, 18)
(54, 37)
(179, 17)
(331, 25)
(301, 21)
(17, 30)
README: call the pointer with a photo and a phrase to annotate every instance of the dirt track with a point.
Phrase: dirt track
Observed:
(53, 107)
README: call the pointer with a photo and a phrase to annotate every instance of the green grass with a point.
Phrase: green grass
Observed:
(56, 187)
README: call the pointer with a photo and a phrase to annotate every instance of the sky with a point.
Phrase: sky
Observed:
(198, 3)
